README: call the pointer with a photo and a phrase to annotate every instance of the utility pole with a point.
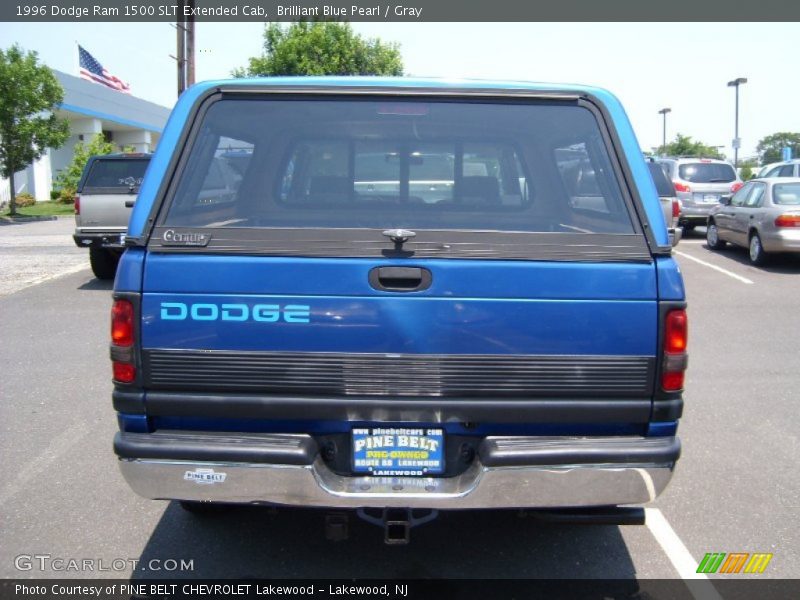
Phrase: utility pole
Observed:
(184, 28)
(181, 52)
(190, 44)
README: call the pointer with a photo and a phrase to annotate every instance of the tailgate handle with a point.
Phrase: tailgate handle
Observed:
(400, 279)
(129, 203)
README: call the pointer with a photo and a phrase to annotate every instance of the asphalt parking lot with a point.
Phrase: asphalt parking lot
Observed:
(736, 488)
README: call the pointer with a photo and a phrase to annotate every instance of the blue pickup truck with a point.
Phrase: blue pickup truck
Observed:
(399, 296)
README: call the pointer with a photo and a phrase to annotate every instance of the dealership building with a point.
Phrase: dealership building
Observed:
(91, 108)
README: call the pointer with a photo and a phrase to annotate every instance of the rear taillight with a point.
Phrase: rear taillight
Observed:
(676, 331)
(676, 208)
(122, 323)
(124, 372)
(122, 339)
(736, 187)
(788, 220)
(681, 187)
(77, 204)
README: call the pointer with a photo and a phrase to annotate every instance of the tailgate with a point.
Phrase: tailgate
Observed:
(318, 326)
(105, 212)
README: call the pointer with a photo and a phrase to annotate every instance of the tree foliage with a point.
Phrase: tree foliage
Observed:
(29, 92)
(685, 146)
(321, 48)
(770, 148)
(67, 180)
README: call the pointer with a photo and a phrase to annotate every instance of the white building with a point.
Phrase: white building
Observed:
(91, 108)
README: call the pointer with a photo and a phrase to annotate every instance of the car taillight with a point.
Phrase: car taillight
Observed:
(788, 220)
(681, 187)
(77, 205)
(676, 208)
(122, 339)
(736, 187)
(122, 323)
(676, 331)
(124, 372)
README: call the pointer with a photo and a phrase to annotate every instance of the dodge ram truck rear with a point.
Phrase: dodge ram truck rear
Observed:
(397, 294)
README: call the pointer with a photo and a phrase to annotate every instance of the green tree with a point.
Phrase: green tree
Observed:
(321, 48)
(770, 148)
(67, 180)
(685, 146)
(751, 161)
(29, 92)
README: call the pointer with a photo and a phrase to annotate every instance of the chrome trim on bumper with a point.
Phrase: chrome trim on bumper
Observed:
(478, 487)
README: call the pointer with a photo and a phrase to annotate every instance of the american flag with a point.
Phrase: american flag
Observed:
(94, 71)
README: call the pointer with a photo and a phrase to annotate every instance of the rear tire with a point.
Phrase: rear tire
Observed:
(757, 255)
(104, 263)
(687, 227)
(712, 238)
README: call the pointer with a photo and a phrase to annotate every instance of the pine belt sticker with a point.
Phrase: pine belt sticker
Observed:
(205, 476)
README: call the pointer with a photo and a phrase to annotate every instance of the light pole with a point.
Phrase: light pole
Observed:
(736, 142)
(664, 112)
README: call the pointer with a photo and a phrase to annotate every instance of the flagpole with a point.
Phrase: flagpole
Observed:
(77, 59)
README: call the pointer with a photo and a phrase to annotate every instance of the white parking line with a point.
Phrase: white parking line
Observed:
(698, 583)
(715, 267)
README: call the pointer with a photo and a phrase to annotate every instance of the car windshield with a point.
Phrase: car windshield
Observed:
(700, 172)
(115, 174)
(786, 194)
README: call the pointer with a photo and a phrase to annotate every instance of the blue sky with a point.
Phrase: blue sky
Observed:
(684, 66)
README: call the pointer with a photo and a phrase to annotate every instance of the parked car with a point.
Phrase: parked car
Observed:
(789, 168)
(105, 197)
(514, 340)
(699, 184)
(670, 205)
(763, 216)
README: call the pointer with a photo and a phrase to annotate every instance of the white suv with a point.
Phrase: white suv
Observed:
(699, 184)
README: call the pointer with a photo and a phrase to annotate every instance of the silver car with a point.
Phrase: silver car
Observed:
(788, 168)
(764, 216)
(699, 184)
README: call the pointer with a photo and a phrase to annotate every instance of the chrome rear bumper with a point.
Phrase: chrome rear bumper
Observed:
(480, 486)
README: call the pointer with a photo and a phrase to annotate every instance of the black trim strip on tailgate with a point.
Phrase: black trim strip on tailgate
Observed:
(399, 375)
(437, 410)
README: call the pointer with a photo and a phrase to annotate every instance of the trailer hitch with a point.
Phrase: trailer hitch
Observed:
(397, 522)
